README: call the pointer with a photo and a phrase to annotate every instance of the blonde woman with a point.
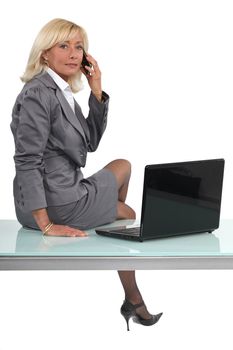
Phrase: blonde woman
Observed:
(52, 139)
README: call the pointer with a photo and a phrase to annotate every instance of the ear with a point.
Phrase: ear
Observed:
(44, 55)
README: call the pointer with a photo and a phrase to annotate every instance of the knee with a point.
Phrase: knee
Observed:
(125, 212)
(125, 165)
(121, 168)
(132, 214)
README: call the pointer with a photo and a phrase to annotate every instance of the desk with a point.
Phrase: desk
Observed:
(22, 249)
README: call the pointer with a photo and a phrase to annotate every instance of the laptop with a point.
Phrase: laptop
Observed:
(178, 199)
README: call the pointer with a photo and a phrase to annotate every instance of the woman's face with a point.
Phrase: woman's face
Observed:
(65, 57)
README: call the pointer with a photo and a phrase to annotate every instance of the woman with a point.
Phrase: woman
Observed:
(52, 139)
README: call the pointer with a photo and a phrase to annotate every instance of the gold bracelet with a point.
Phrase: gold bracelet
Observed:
(47, 228)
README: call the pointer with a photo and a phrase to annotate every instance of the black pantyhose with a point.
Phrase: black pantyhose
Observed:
(132, 293)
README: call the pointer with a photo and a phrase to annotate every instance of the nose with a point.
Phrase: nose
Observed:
(73, 53)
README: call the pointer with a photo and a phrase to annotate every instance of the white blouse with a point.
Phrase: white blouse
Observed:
(64, 86)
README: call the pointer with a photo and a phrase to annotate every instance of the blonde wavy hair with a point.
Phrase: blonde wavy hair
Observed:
(55, 31)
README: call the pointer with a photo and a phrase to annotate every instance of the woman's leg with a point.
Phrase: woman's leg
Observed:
(132, 292)
(122, 170)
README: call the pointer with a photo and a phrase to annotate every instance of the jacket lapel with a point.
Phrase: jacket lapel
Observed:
(67, 110)
(69, 113)
(82, 120)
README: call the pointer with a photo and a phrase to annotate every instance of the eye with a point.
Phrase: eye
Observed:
(63, 46)
(79, 47)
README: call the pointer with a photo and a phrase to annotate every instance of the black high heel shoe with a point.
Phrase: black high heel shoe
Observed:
(128, 310)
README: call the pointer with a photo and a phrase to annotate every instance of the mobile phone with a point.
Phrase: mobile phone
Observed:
(85, 63)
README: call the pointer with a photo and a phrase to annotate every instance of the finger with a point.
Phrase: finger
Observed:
(78, 233)
(91, 59)
(94, 73)
(87, 75)
(73, 234)
(96, 69)
(66, 231)
(89, 69)
(93, 62)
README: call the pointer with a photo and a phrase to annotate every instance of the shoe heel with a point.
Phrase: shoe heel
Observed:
(126, 317)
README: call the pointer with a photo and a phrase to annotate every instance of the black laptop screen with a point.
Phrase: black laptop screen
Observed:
(182, 197)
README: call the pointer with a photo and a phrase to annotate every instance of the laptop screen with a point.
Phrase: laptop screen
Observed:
(182, 198)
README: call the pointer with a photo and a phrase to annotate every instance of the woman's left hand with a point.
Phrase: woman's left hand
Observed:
(94, 77)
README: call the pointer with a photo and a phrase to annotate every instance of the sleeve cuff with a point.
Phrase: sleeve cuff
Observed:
(104, 97)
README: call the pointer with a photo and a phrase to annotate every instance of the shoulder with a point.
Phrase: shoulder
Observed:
(41, 88)
(42, 81)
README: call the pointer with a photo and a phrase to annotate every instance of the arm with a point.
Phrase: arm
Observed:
(94, 77)
(31, 128)
(98, 104)
(97, 120)
(42, 220)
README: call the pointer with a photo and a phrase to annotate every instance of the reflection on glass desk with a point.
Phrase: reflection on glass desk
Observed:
(22, 249)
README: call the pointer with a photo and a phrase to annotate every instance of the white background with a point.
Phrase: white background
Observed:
(167, 66)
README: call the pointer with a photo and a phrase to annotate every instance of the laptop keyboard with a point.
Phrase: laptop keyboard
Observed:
(133, 231)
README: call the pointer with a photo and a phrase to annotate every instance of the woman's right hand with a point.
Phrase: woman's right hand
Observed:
(65, 231)
(43, 221)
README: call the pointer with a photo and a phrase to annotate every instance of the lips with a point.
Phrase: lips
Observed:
(72, 65)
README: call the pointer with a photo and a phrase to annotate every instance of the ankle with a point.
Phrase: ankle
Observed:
(134, 300)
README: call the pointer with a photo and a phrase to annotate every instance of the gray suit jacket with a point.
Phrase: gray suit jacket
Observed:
(51, 144)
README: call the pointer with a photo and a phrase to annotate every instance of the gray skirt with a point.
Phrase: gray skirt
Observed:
(96, 208)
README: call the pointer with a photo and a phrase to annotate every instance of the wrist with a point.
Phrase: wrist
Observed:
(41, 218)
(98, 95)
(47, 228)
